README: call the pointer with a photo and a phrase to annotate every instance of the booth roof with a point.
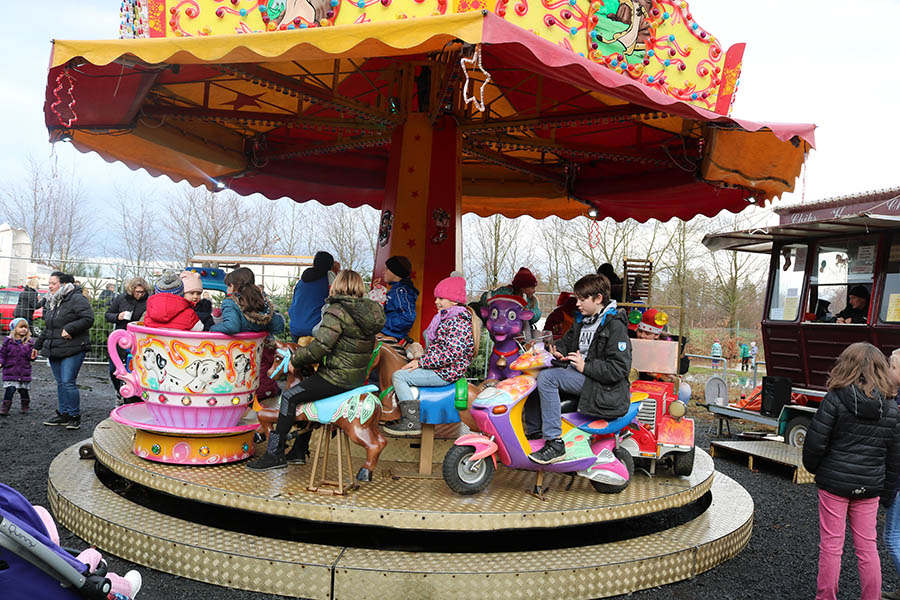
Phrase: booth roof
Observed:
(191, 108)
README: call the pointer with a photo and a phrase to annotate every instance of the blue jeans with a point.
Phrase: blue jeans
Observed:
(549, 383)
(65, 371)
(402, 381)
(892, 532)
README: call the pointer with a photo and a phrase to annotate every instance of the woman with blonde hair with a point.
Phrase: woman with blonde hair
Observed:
(342, 346)
(853, 447)
(127, 307)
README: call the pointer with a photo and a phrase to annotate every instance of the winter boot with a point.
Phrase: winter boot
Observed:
(26, 404)
(408, 425)
(274, 456)
(4, 407)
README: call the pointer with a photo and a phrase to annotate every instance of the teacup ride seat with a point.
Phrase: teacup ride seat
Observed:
(196, 387)
(438, 406)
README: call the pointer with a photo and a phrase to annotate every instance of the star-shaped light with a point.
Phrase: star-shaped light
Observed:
(243, 100)
(464, 63)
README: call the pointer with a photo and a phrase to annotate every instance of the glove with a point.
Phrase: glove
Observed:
(217, 315)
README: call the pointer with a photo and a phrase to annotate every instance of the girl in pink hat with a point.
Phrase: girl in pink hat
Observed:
(451, 340)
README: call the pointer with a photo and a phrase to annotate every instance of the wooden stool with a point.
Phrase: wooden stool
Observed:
(343, 452)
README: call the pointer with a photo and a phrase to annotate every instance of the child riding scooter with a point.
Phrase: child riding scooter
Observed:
(591, 445)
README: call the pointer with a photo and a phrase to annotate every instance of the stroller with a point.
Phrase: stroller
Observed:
(33, 565)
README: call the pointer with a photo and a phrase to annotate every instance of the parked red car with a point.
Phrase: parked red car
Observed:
(9, 297)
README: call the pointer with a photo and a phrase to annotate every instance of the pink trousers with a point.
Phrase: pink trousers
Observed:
(833, 513)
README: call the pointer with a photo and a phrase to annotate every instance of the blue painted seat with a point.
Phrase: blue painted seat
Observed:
(611, 426)
(326, 408)
(436, 405)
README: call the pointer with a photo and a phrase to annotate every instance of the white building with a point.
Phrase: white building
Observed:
(15, 258)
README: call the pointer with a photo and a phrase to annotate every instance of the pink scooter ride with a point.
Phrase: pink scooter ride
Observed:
(592, 445)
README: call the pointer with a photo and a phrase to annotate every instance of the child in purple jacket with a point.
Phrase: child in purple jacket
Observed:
(16, 355)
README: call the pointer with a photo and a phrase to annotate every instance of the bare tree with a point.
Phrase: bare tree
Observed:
(343, 230)
(493, 249)
(296, 229)
(48, 205)
(134, 228)
(203, 222)
(258, 226)
(736, 276)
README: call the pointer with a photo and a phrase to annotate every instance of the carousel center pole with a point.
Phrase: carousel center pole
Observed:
(421, 214)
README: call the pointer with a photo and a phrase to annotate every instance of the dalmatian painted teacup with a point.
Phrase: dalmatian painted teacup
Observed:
(189, 379)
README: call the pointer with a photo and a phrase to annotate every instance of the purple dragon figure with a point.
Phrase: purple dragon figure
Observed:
(506, 318)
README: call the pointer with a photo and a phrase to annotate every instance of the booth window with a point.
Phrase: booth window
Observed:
(840, 266)
(788, 284)
(890, 300)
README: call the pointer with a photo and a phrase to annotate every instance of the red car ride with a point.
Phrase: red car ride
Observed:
(9, 297)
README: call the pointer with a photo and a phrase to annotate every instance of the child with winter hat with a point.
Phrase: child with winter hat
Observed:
(451, 345)
(169, 308)
(15, 358)
(400, 308)
(523, 285)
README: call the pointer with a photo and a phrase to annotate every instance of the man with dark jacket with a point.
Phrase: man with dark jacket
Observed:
(310, 292)
(599, 353)
(28, 300)
(127, 307)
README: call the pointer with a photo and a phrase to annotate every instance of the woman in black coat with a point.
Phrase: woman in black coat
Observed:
(68, 317)
(127, 307)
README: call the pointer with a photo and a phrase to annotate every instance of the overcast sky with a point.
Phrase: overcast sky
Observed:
(801, 65)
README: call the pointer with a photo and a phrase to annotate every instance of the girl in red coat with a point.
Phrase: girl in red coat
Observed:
(168, 308)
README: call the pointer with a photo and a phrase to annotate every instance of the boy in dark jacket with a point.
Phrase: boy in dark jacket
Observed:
(310, 292)
(599, 355)
(400, 308)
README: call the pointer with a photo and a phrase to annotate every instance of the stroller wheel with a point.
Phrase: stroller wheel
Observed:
(86, 451)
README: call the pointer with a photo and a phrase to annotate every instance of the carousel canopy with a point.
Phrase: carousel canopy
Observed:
(313, 113)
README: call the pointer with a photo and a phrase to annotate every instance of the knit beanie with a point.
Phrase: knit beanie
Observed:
(191, 281)
(169, 283)
(860, 292)
(524, 279)
(451, 288)
(399, 266)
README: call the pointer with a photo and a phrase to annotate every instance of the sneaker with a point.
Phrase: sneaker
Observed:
(74, 423)
(268, 462)
(57, 420)
(891, 595)
(135, 579)
(552, 452)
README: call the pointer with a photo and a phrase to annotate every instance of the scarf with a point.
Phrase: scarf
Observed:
(609, 310)
(54, 300)
(447, 313)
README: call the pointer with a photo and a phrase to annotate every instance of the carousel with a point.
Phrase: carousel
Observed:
(423, 109)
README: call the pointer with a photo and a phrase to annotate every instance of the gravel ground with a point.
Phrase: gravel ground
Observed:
(779, 562)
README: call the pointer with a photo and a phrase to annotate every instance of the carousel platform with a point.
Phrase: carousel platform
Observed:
(397, 537)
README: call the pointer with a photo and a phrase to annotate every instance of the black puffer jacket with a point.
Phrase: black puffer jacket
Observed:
(75, 315)
(606, 392)
(122, 303)
(853, 444)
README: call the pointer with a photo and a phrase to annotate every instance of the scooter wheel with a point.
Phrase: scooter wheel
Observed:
(464, 477)
(625, 458)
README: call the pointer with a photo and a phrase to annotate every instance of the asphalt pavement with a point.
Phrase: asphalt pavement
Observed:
(779, 562)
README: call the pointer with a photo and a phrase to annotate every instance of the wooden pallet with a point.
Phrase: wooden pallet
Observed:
(777, 452)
